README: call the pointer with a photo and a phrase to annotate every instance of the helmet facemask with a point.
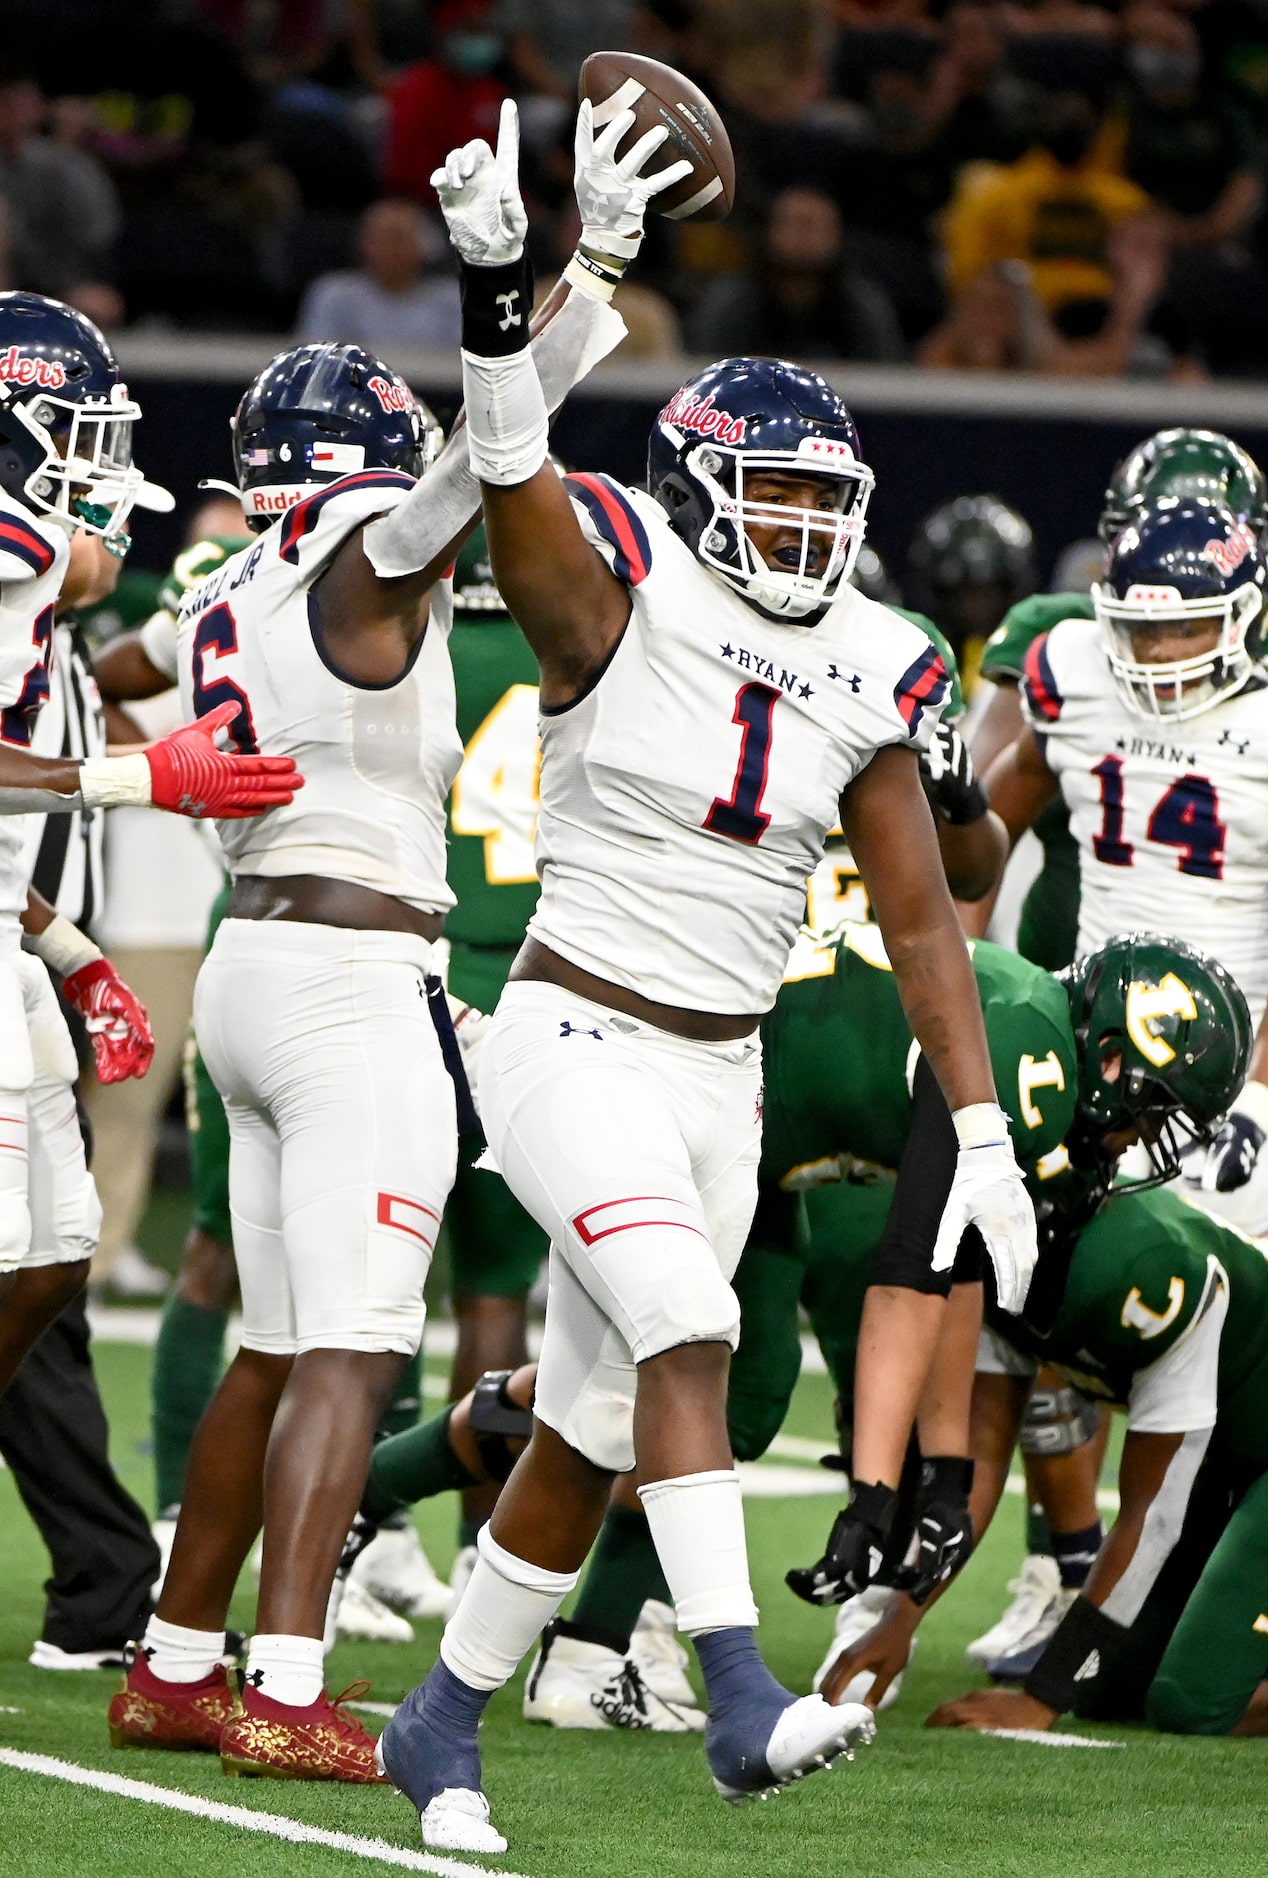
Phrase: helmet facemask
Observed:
(725, 547)
(87, 477)
(1179, 688)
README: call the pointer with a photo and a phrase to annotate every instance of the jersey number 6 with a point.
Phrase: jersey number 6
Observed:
(216, 636)
(742, 817)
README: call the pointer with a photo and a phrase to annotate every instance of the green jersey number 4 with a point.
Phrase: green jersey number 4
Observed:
(496, 793)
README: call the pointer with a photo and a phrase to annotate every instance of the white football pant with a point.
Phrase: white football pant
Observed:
(343, 1138)
(637, 1152)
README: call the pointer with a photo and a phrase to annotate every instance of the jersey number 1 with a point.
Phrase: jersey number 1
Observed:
(1186, 817)
(742, 817)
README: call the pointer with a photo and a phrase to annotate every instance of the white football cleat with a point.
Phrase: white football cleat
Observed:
(362, 1617)
(133, 1276)
(396, 1571)
(574, 1684)
(659, 1657)
(457, 1820)
(854, 1619)
(49, 1656)
(810, 1734)
(1035, 1590)
(460, 1573)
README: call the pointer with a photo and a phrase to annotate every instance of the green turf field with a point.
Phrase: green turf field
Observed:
(635, 1806)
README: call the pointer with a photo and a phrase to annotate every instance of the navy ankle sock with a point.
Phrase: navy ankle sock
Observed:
(745, 1702)
(430, 1743)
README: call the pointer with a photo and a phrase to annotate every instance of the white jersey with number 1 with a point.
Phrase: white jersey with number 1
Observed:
(377, 760)
(1171, 818)
(686, 797)
(34, 552)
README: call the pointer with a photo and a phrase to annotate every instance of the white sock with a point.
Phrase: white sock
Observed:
(175, 1654)
(504, 1609)
(697, 1524)
(286, 1669)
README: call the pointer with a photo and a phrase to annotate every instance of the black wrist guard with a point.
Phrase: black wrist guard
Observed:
(1079, 1651)
(496, 305)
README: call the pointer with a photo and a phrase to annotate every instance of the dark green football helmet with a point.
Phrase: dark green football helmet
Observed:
(1186, 464)
(969, 562)
(1164, 1038)
(474, 592)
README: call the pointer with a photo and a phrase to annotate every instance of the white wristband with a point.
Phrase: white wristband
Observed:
(1253, 1101)
(506, 417)
(62, 946)
(112, 782)
(981, 1125)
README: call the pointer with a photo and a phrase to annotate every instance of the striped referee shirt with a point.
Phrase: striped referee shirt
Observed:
(66, 850)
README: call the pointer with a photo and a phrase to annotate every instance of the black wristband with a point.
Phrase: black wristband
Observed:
(969, 806)
(875, 1504)
(496, 304)
(1079, 1651)
(947, 1477)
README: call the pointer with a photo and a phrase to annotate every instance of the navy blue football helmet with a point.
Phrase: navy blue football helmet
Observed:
(745, 417)
(66, 419)
(320, 413)
(1183, 571)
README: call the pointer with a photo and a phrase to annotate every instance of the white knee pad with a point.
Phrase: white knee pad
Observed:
(15, 1230)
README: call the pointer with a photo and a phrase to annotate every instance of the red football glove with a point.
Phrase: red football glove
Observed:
(115, 1018)
(191, 777)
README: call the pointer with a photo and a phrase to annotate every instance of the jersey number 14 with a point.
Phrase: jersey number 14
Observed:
(1187, 817)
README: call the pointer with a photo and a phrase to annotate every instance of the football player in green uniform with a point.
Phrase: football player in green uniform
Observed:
(495, 1248)
(1146, 1302)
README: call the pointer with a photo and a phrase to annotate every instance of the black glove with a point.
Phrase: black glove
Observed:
(950, 780)
(944, 1532)
(1231, 1158)
(856, 1546)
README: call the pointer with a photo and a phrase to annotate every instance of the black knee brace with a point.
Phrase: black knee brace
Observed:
(494, 1419)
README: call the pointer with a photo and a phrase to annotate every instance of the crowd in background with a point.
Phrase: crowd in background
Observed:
(1052, 186)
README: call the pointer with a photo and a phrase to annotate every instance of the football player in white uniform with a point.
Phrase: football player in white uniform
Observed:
(712, 695)
(66, 473)
(1151, 720)
(320, 1019)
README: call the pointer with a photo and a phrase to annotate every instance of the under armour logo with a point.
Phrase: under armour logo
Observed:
(506, 301)
(851, 678)
(1229, 742)
(256, 1678)
(1089, 1667)
(578, 1030)
(188, 806)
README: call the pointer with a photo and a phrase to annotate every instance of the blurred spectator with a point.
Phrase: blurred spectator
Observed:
(970, 100)
(1235, 44)
(1055, 208)
(968, 562)
(387, 304)
(549, 40)
(802, 300)
(63, 213)
(998, 323)
(445, 100)
(1189, 147)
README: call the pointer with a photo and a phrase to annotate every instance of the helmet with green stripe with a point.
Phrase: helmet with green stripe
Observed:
(1163, 1035)
(1189, 465)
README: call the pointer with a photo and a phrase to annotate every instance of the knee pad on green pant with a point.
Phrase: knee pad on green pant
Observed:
(495, 1247)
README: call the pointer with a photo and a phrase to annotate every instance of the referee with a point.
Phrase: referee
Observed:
(53, 1431)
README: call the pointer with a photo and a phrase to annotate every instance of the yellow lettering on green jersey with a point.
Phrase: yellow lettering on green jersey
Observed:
(1137, 1315)
(1037, 1073)
(497, 793)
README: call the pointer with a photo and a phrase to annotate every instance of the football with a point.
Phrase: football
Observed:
(657, 94)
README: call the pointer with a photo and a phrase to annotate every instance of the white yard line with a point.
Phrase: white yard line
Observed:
(1040, 1738)
(272, 1825)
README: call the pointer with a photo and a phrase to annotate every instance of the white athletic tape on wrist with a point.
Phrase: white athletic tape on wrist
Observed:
(1253, 1102)
(63, 947)
(506, 418)
(112, 782)
(981, 1125)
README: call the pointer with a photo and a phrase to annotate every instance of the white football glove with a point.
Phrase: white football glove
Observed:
(611, 195)
(988, 1192)
(480, 196)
